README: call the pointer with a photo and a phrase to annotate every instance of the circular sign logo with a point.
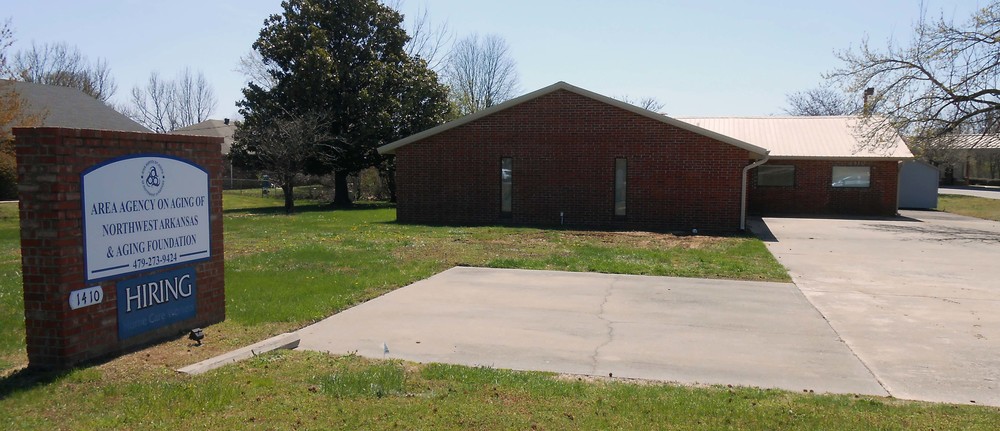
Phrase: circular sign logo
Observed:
(153, 177)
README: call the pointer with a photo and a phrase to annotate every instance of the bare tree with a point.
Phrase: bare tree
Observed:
(943, 81)
(60, 64)
(481, 73)
(821, 101)
(164, 105)
(256, 70)
(281, 147)
(647, 103)
(6, 40)
(194, 98)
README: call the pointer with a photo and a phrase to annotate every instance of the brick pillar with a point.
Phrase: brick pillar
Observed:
(50, 162)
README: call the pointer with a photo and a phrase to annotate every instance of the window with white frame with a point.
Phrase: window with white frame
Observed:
(851, 176)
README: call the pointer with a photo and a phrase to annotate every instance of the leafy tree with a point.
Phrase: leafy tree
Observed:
(63, 65)
(481, 73)
(944, 80)
(165, 105)
(279, 147)
(344, 59)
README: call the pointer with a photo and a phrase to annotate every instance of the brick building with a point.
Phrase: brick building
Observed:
(563, 155)
(816, 165)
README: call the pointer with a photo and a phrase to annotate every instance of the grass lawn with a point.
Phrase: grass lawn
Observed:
(971, 206)
(283, 272)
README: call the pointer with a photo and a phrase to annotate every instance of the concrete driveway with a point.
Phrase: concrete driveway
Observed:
(917, 298)
(661, 328)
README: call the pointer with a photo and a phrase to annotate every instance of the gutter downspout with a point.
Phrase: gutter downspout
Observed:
(743, 196)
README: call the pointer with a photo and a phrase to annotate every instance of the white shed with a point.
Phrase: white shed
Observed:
(918, 185)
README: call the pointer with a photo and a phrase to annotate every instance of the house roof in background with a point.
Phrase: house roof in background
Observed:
(805, 137)
(216, 128)
(391, 147)
(972, 141)
(71, 108)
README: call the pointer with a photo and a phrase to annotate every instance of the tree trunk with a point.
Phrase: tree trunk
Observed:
(341, 196)
(389, 179)
(289, 190)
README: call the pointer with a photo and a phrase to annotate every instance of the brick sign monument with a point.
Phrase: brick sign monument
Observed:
(121, 240)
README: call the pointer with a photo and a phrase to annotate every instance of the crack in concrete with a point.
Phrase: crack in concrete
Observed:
(875, 376)
(608, 323)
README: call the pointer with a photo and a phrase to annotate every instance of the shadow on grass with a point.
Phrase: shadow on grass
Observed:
(28, 378)
(314, 207)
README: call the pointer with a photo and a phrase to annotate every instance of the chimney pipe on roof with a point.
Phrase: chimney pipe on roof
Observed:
(225, 121)
(866, 109)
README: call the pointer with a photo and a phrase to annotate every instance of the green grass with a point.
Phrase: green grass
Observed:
(971, 206)
(283, 272)
(11, 298)
(308, 390)
(316, 262)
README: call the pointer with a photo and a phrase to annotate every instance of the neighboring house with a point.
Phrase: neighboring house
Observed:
(818, 165)
(71, 108)
(965, 158)
(222, 129)
(565, 155)
(218, 128)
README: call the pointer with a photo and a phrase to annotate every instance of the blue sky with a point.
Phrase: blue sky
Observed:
(713, 58)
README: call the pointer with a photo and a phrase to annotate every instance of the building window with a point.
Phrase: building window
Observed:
(621, 173)
(776, 175)
(851, 176)
(506, 185)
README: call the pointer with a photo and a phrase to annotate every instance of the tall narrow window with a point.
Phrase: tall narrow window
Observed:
(506, 185)
(621, 173)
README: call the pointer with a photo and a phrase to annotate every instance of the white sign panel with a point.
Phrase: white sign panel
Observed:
(144, 212)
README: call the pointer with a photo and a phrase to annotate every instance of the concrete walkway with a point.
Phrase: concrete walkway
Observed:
(661, 328)
(917, 298)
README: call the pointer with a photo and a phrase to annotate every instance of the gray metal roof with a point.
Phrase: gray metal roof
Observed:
(391, 147)
(71, 108)
(969, 142)
(216, 128)
(806, 137)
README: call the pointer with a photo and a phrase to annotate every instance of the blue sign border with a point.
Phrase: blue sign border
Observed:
(83, 209)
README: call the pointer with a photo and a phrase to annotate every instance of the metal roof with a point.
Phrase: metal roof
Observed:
(753, 148)
(217, 128)
(71, 108)
(805, 137)
(968, 142)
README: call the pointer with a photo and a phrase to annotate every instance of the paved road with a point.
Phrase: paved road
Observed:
(661, 328)
(980, 192)
(917, 298)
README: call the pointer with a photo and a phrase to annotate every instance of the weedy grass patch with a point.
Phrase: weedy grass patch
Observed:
(971, 206)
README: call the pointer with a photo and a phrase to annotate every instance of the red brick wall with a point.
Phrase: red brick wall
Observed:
(564, 147)
(813, 193)
(50, 161)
